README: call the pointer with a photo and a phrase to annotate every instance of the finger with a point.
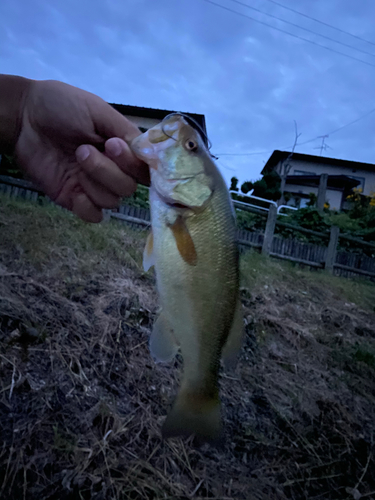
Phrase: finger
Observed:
(119, 151)
(69, 189)
(97, 193)
(104, 171)
(110, 123)
(85, 209)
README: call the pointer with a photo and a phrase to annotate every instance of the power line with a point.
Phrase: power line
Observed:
(226, 166)
(305, 142)
(321, 22)
(351, 123)
(244, 154)
(290, 34)
(340, 128)
(305, 29)
(306, 40)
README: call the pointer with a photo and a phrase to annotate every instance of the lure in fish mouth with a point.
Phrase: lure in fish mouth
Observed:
(193, 248)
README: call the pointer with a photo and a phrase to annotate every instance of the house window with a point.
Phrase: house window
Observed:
(302, 172)
(361, 179)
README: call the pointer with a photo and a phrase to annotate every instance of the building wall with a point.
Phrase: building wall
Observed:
(306, 167)
(333, 196)
(141, 121)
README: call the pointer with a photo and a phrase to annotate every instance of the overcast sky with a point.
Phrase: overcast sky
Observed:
(249, 80)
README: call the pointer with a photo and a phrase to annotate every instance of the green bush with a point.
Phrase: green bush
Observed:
(139, 198)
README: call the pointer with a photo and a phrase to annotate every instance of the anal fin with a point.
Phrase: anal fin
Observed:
(148, 253)
(163, 343)
(235, 338)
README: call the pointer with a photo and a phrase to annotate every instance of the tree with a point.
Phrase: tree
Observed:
(8, 166)
(286, 166)
(267, 187)
(357, 221)
(140, 198)
(233, 184)
(312, 200)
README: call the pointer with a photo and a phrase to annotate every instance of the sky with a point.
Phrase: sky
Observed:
(255, 84)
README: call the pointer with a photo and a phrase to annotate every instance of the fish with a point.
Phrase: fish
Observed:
(193, 248)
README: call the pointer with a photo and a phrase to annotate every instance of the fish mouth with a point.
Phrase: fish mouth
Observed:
(147, 146)
(156, 135)
(177, 205)
(144, 150)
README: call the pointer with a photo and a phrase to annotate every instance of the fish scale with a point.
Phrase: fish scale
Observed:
(195, 255)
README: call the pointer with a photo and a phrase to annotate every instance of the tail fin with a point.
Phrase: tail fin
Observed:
(194, 413)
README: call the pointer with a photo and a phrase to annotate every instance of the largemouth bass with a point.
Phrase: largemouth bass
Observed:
(193, 247)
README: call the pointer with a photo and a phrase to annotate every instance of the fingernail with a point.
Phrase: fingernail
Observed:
(82, 153)
(114, 148)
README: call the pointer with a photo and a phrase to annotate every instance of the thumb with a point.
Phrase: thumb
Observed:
(110, 123)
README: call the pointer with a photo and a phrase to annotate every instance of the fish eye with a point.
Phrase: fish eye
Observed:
(191, 145)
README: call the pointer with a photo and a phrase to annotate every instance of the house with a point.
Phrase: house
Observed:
(146, 118)
(304, 176)
(338, 188)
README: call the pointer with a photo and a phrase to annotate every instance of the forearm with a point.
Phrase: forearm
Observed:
(13, 91)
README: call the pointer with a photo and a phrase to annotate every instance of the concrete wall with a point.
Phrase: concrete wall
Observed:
(299, 166)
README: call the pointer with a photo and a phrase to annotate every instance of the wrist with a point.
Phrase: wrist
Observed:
(13, 93)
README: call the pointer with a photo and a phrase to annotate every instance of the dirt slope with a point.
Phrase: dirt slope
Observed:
(82, 403)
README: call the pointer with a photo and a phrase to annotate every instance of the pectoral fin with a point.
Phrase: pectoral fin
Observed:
(163, 344)
(184, 242)
(148, 254)
(235, 338)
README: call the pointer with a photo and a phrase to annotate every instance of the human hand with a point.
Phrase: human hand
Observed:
(74, 146)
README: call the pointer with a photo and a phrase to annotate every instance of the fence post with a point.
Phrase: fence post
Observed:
(270, 229)
(106, 215)
(322, 192)
(332, 248)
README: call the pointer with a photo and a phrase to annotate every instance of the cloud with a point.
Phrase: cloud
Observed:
(250, 81)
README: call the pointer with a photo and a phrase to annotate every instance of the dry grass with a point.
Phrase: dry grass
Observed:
(82, 403)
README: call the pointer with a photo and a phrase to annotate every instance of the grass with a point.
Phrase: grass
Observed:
(47, 233)
(260, 271)
(47, 229)
(365, 354)
(82, 403)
